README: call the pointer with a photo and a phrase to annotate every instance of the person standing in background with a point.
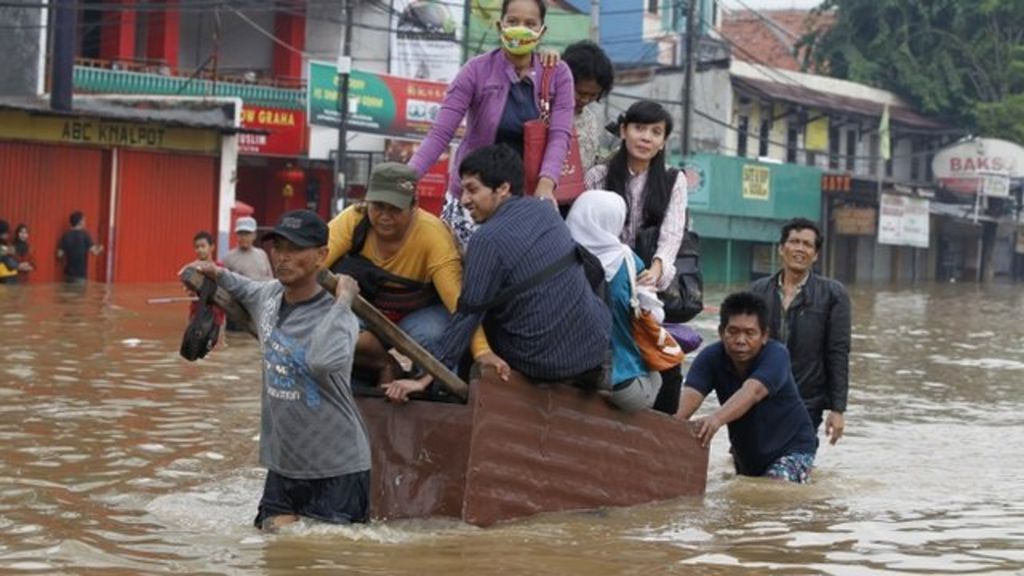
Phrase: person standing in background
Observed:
(23, 253)
(246, 259)
(74, 248)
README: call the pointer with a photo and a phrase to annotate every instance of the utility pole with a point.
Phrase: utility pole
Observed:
(344, 71)
(62, 71)
(595, 21)
(691, 41)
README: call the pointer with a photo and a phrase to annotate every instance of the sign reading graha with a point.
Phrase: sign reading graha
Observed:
(378, 103)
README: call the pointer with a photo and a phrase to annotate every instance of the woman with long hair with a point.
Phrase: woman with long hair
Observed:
(656, 206)
(23, 253)
(497, 93)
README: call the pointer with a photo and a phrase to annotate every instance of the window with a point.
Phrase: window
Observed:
(833, 147)
(812, 158)
(874, 145)
(915, 149)
(741, 136)
(792, 136)
(851, 150)
(652, 6)
(766, 132)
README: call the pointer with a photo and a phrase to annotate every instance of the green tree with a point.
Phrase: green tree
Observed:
(959, 60)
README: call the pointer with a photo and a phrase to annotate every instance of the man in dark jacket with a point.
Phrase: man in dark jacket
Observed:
(810, 314)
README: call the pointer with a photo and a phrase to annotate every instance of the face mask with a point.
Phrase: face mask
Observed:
(519, 40)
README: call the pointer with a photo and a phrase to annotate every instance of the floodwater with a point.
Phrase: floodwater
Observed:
(119, 457)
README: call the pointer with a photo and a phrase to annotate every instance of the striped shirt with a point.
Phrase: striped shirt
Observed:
(673, 227)
(555, 330)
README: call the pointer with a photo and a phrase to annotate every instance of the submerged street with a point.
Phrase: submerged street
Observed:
(119, 457)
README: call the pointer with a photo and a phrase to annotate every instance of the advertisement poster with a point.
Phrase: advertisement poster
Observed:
(903, 221)
(378, 103)
(427, 40)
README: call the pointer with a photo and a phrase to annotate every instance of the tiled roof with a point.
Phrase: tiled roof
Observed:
(769, 36)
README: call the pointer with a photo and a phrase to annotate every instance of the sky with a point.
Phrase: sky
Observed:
(765, 4)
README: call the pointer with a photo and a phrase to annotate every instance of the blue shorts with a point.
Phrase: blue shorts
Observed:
(794, 467)
(338, 500)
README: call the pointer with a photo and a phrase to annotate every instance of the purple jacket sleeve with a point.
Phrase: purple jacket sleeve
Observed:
(453, 109)
(563, 110)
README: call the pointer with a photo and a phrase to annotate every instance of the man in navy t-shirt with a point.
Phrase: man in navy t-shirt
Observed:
(769, 429)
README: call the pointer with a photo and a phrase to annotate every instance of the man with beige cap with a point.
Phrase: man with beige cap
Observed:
(407, 265)
(247, 259)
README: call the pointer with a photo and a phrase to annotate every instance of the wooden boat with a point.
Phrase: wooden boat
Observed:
(516, 449)
(506, 450)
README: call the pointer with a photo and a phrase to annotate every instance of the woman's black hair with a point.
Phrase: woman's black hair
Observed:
(20, 246)
(586, 60)
(657, 189)
(540, 5)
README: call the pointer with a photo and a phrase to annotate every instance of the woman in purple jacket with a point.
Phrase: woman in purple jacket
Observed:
(497, 92)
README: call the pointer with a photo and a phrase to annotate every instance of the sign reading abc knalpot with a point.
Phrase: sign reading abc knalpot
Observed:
(968, 166)
(378, 103)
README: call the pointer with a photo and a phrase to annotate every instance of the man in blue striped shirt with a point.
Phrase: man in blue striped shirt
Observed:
(556, 329)
(523, 281)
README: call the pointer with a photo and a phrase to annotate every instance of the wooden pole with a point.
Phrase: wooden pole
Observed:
(377, 322)
(384, 328)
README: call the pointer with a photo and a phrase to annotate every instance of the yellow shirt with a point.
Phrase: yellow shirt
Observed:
(427, 255)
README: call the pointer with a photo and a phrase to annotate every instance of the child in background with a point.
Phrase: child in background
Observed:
(203, 244)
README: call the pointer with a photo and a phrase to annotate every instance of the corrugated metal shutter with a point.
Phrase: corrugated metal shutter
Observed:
(163, 200)
(40, 185)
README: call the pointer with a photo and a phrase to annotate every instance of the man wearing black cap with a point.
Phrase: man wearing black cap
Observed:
(312, 440)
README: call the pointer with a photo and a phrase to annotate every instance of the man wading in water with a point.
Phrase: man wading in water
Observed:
(312, 439)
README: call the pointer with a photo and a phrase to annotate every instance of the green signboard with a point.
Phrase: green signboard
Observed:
(378, 103)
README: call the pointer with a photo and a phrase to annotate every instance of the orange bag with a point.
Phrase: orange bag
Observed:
(658, 348)
(535, 143)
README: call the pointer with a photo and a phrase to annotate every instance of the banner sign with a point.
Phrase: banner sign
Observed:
(426, 42)
(286, 131)
(855, 221)
(378, 103)
(903, 221)
(87, 131)
(959, 167)
(756, 182)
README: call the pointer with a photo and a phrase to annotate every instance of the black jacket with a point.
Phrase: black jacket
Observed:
(818, 338)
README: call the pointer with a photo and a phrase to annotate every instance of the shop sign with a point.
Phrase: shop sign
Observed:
(106, 133)
(903, 221)
(378, 103)
(851, 221)
(285, 131)
(959, 167)
(756, 182)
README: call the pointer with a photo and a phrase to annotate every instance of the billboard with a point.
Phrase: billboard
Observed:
(286, 131)
(427, 40)
(378, 103)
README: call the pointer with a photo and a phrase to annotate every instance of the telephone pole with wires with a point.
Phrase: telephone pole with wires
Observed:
(344, 72)
(691, 41)
(63, 63)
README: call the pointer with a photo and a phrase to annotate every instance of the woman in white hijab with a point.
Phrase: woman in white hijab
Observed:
(596, 221)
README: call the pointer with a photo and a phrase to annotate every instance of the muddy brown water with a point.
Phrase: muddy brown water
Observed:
(119, 457)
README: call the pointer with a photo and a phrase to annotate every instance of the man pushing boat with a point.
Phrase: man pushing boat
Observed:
(312, 438)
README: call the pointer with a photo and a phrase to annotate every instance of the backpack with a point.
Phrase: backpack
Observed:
(684, 298)
(201, 334)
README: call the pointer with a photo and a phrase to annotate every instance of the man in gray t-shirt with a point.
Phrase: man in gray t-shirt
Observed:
(246, 259)
(312, 438)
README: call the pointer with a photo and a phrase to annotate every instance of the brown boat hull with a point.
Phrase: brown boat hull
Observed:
(518, 449)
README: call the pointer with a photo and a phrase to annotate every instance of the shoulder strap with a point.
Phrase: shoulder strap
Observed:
(545, 92)
(359, 235)
(513, 291)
